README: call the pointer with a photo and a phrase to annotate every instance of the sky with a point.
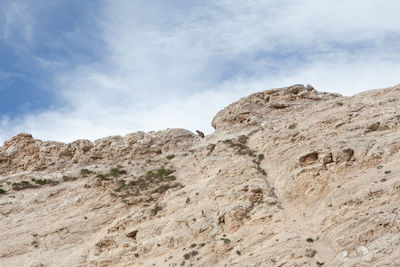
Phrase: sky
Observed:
(72, 69)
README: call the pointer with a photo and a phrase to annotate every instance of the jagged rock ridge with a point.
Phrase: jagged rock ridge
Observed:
(290, 177)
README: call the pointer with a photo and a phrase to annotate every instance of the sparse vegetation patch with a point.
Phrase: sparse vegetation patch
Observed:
(114, 172)
(142, 188)
(44, 181)
(156, 209)
(243, 139)
(18, 186)
(211, 148)
(240, 148)
(85, 172)
(67, 178)
(169, 157)
(226, 240)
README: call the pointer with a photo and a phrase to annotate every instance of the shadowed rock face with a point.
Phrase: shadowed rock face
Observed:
(290, 177)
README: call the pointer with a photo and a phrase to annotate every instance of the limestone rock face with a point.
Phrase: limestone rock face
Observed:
(261, 107)
(290, 177)
(23, 153)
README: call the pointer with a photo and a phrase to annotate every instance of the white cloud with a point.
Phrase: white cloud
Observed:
(175, 63)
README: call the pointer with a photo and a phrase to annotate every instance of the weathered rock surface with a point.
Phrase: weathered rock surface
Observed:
(290, 177)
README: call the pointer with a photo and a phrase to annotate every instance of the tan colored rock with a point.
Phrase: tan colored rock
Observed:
(325, 190)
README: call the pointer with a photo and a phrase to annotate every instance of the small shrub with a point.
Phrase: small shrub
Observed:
(388, 172)
(243, 139)
(261, 170)
(202, 245)
(211, 148)
(164, 172)
(44, 181)
(292, 126)
(85, 172)
(241, 149)
(379, 167)
(40, 181)
(2, 191)
(240, 146)
(193, 245)
(23, 185)
(165, 187)
(169, 178)
(169, 157)
(226, 240)
(228, 142)
(68, 178)
(186, 256)
(116, 172)
(194, 253)
(102, 176)
(238, 252)
(121, 183)
(251, 153)
(156, 209)
(309, 240)
(188, 200)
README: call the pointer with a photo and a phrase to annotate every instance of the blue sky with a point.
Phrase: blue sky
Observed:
(73, 69)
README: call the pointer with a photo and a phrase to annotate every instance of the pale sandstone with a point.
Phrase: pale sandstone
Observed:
(325, 192)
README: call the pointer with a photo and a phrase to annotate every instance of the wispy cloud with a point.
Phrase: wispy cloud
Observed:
(18, 25)
(176, 63)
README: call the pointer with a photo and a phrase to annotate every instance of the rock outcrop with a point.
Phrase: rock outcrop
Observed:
(290, 177)
(23, 153)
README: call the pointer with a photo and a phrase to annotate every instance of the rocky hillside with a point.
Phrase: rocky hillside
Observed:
(290, 177)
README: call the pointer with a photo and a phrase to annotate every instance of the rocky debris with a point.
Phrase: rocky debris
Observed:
(132, 234)
(308, 158)
(290, 177)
